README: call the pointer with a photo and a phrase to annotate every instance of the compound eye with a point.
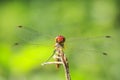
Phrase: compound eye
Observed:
(60, 39)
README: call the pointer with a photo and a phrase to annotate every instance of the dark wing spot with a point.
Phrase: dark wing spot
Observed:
(20, 26)
(104, 53)
(16, 43)
(108, 36)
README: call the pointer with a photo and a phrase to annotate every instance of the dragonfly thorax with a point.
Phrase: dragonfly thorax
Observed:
(59, 45)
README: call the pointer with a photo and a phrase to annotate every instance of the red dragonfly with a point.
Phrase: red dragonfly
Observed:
(28, 36)
(32, 34)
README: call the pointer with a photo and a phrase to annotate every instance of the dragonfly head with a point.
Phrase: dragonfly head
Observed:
(60, 39)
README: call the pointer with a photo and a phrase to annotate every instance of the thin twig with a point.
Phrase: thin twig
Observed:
(51, 63)
(61, 59)
(65, 65)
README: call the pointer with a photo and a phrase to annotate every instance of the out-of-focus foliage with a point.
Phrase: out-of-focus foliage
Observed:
(49, 18)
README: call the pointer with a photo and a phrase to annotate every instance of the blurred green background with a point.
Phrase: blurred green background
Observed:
(43, 21)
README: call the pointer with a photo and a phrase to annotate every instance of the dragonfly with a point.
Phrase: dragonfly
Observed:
(58, 51)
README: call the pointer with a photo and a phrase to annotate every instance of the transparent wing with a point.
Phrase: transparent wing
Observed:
(98, 44)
